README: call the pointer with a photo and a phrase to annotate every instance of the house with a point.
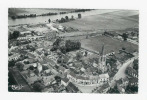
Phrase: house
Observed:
(32, 79)
(120, 89)
(123, 82)
(72, 88)
(104, 88)
(83, 80)
(14, 57)
(61, 69)
(64, 81)
(133, 82)
(132, 72)
(71, 76)
(104, 78)
(31, 55)
(49, 90)
(47, 80)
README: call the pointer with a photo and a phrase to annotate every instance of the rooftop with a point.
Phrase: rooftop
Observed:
(71, 87)
(65, 80)
(103, 87)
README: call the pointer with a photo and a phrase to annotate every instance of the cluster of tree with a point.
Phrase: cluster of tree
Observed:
(38, 86)
(69, 45)
(78, 55)
(72, 45)
(108, 33)
(62, 12)
(26, 62)
(19, 66)
(14, 35)
(48, 14)
(82, 10)
(124, 36)
(66, 19)
(11, 63)
(131, 89)
(31, 48)
(23, 16)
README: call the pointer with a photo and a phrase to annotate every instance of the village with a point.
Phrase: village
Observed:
(55, 58)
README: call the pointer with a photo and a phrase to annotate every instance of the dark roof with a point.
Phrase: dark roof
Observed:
(104, 86)
(71, 87)
(65, 80)
(31, 55)
(72, 74)
(133, 80)
(131, 70)
(119, 81)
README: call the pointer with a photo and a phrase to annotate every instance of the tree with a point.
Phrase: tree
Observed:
(26, 62)
(58, 40)
(66, 17)
(86, 53)
(58, 79)
(20, 66)
(72, 45)
(79, 15)
(62, 20)
(49, 20)
(38, 87)
(124, 36)
(11, 63)
(63, 49)
(31, 67)
(78, 55)
(72, 17)
(123, 48)
(16, 34)
(32, 49)
(46, 54)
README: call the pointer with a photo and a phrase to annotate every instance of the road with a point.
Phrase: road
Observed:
(121, 72)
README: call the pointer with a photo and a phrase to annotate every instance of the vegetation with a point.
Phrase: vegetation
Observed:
(72, 45)
(11, 63)
(135, 62)
(14, 35)
(124, 36)
(20, 66)
(68, 46)
(38, 87)
(49, 20)
(78, 55)
(79, 15)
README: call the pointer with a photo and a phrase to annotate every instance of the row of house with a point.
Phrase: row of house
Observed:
(14, 57)
(31, 38)
(89, 80)
(132, 72)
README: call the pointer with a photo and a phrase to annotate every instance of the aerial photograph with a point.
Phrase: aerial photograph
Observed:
(73, 50)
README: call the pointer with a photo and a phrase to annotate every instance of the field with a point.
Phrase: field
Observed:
(112, 20)
(95, 44)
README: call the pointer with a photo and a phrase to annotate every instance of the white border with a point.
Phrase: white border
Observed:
(94, 4)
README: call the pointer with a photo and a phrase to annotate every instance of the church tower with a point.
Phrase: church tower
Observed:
(102, 60)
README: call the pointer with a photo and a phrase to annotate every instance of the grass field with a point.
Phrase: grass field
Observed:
(113, 20)
(95, 44)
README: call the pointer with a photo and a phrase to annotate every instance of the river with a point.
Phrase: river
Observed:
(44, 19)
